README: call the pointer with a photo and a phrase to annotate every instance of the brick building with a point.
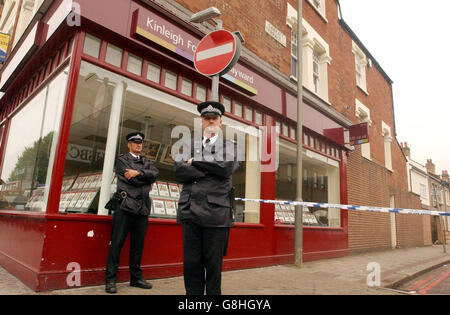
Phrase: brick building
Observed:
(352, 82)
(131, 69)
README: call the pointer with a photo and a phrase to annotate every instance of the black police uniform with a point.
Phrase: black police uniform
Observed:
(132, 214)
(205, 210)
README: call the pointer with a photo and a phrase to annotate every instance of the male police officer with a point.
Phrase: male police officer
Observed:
(205, 203)
(135, 176)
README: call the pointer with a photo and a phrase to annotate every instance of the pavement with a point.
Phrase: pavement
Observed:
(355, 274)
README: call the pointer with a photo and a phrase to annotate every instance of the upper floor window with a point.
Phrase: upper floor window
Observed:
(316, 58)
(315, 55)
(316, 74)
(387, 135)
(319, 6)
(363, 114)
(423, 191)
(360, 67)
(294, 54)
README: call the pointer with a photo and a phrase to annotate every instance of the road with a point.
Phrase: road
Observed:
(435, 282)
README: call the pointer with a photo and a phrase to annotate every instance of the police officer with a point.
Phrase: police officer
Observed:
(205, 204)
(135, 176)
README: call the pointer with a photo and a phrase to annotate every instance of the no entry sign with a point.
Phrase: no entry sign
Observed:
(217, 53)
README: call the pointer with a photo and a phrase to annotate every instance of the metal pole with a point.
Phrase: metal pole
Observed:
(298, 247)
(441, 227)
(215, 79)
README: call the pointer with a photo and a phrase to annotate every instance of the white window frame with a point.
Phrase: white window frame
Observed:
(360, 67)
(312, 43)
(363, 114)
(294, 57)
(387, 135)
(319, 6)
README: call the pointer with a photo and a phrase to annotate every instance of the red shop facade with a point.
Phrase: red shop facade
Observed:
(71, 95)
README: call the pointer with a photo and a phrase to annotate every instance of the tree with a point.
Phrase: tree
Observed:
(34, 160)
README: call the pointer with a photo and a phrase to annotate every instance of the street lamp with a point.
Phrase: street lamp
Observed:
(298, 245)
(202, 16)
(205, 15)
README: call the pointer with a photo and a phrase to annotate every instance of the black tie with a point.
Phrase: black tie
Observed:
(207, 141)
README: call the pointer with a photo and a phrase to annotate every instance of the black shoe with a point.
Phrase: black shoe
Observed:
(141, 283)
(110, 287)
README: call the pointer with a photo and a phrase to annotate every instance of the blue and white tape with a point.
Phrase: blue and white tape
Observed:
(348, 207)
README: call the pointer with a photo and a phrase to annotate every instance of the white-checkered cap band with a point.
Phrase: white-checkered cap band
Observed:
(211, 109)
(136, 137)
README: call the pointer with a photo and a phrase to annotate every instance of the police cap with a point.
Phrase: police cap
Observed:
(211, 108)
(135, 137)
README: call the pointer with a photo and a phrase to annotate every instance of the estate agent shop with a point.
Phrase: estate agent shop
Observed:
(72, 94)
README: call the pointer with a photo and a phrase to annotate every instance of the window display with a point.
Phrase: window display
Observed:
(320, 184)
(144, 109)
(30, 148)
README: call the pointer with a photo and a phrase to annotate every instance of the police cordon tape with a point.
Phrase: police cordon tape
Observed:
(347, 207)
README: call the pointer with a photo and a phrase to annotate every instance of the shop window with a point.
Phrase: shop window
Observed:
(186, 87)
(171, 80)
(248, 113)
(201, 93)
(30, 149)
(153, 72)
(238, 109)
(108, 107)
(114, 55)
(320, 185)
(258, 118)
(227, 104)
(134, 64)
(292, 133)
(285, 130)
(92, 46)
(278, 126)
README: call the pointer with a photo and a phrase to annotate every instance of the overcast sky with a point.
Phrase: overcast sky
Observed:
(410, 40)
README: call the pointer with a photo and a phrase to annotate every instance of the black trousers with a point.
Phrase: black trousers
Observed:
(203, 251)
(125, 223)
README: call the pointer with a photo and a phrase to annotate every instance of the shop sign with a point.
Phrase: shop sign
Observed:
(4, 43)
(83, 154)
(148, 26)
(359, 134)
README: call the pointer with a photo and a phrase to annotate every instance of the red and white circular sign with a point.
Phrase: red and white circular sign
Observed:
(217, 53)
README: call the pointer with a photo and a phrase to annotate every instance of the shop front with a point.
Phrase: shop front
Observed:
(64, 117)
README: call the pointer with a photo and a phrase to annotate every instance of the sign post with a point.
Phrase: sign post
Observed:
(298, 238)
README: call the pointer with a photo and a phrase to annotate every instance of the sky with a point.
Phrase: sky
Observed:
(410, 41)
